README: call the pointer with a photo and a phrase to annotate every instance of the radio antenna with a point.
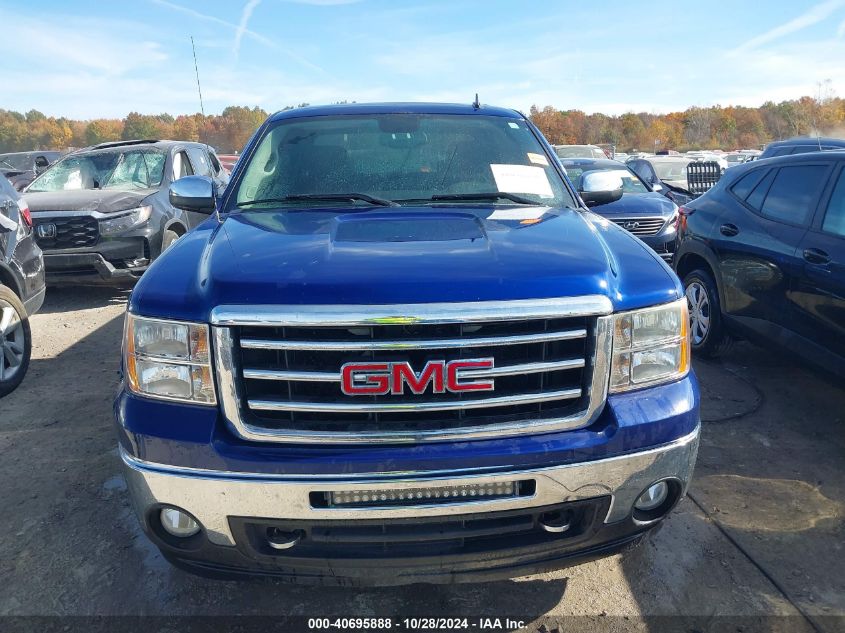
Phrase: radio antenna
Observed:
(202, 111)
(197, 72)
(476, 104)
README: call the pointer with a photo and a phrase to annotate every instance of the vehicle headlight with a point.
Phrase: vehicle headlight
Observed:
(650, 346)
(672, 225)
(125, 220)
(168, 360)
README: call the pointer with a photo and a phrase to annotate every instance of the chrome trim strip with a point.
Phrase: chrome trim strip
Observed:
(451, 343)
(357, 479)
(213, 496)
(414, 407)
(509, 370)
(413, 313)
(226, 369)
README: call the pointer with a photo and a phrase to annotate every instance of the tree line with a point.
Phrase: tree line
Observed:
(716, 127)
(730, 127)
(227, 132)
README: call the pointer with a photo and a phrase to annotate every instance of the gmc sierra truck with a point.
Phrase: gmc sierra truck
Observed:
(401, 349)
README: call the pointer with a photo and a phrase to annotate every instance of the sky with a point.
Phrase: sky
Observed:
(88, 58)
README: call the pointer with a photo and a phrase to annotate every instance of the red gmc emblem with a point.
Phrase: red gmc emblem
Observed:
(378, 379)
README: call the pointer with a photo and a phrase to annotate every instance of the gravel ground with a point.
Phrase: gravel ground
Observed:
(761, 533)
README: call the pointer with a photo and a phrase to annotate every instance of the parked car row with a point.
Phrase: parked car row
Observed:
(100, 215)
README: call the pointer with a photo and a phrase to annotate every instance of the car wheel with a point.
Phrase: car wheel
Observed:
(707, 334)
(15, 341)
(168, 239)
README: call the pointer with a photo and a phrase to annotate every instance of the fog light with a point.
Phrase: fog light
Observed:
(178, 523)
(653, 497)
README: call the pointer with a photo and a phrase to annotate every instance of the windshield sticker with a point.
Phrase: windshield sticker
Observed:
(534, 213)
(522, 179)
(513, 125)
(538, 159)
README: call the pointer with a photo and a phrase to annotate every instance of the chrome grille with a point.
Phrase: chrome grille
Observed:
(71, 232)
(641, 226)
(279, 372)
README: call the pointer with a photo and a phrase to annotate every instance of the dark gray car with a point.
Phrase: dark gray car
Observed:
(102, 214)
(21, 168)
(21, 286)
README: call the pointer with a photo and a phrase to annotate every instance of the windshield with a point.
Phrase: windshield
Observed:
(578, 151)
(134, 169)
(671, 170)
(630, 182)
(401, 158)
(20, 162)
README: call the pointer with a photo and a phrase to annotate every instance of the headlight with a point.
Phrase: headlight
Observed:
(125, 220)
(168, 360)
(650, 346)
(672, 225)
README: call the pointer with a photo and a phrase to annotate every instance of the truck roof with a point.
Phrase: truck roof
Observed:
(394, 108)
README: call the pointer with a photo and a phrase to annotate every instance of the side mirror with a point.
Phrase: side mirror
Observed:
(600, 187)
(193, 193)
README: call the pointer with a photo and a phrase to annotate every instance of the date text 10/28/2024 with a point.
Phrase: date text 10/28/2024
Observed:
(415, 624)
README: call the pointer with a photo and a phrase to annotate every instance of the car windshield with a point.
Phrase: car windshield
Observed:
(129, 169)
(20, 162)
(630, 182)
(578, 151)
(671, 170)
(400, 158)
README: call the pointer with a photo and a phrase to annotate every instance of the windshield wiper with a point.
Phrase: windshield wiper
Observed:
(363, 197)
(494, 195)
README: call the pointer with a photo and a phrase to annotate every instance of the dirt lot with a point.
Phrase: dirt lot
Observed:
(761, 533)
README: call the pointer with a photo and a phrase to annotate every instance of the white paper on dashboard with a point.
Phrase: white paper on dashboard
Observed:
(522, 179)
(532, 213)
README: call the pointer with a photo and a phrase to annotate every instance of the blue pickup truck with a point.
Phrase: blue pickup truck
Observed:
(401, 349)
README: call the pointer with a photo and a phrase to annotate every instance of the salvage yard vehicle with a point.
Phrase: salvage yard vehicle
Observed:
(21, 286)
(665, 174)
(639, 210)
(802, 145)
(21, 168)
(102, 214)
(579, 151)
(400, 350)
(762, 255)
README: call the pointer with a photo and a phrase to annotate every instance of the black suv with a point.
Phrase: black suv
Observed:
(762, 254)
(102, 214)
(21, 286)
(802, 145)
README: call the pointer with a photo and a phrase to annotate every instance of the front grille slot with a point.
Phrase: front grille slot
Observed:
(290, 377)
(70, 232)
(419, 537)
(642, 227)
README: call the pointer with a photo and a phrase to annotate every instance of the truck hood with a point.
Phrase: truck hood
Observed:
(401, 256)
(102, 200)
(638, 204)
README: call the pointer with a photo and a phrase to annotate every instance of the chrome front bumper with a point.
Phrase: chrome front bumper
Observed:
(214, 496)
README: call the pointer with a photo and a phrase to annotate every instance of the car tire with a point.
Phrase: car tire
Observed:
(15, 341)
(707, 332)
(168, 239)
